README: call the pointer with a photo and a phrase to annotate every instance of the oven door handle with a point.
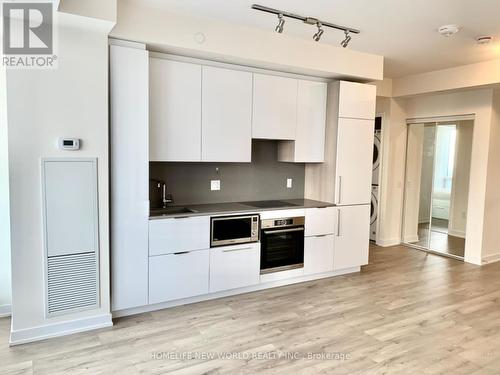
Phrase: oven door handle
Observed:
(283, 230)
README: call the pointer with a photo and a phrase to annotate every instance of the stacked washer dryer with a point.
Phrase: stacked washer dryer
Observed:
(375, 178)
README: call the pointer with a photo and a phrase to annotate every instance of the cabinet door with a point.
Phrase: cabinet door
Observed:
(352, 237)
(274, 107)
(167, 236)
(320, 221)
(354, 161)
(234, 267)
(129, 173)
(357, 100)
(318, 254)
(311, 119)
(175, 111)
(177, 276)
(226, 115)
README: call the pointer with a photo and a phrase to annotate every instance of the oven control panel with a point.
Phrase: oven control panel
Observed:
(282, 222)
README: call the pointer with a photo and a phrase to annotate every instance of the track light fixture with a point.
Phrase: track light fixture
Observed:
(320, 32)
(347, 39)
(310, 21)
(281, 23)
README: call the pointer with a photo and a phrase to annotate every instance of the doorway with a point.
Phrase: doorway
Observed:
(438, 156)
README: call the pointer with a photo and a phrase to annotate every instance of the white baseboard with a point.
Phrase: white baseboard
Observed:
(386, 242)
(227, 293)
(411, 239)
(5, 310)
(456, 233)
(26, 335)
(491, 258)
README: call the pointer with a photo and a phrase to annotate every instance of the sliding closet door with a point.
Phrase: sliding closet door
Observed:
(418, 184)
(438, 157)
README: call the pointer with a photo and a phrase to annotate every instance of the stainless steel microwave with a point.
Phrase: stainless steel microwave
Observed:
(230, 230)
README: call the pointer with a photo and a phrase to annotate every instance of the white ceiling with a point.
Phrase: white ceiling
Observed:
(404, 31)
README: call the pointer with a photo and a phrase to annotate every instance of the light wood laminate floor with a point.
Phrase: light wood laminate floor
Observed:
(407, 312)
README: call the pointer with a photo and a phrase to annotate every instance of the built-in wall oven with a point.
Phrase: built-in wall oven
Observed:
(282, 244)
(230, 230)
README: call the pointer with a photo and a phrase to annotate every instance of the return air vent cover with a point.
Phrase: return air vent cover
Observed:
(70, 213)
(72, 282)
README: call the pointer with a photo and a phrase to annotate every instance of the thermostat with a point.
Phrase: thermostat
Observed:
(70, 144)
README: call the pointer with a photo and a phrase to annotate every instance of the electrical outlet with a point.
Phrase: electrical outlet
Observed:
(215, 185)
(288, 183)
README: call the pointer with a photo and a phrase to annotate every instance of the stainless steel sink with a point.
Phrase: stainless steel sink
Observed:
(172, 211)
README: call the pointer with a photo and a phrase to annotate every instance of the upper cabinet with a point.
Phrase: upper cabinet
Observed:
(211, 113)
(309, 144)
(175, 110)
(274, 107)
(226, 115)
(357, 100)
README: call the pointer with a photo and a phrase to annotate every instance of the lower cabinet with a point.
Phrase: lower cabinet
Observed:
(318, 254)
(234, 267)
(352, 236)
(178, 275)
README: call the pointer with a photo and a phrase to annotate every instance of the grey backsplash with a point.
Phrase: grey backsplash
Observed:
(262, 179)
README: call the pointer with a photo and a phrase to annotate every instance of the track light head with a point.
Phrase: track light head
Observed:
(347, 39)
(320, 32)
(281, 24)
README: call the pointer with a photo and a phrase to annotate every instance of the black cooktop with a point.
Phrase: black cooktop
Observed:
(268, 204)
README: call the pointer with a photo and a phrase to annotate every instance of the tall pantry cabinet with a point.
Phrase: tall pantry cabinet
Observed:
(345, 176)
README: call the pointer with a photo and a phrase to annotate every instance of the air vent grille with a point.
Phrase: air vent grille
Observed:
(72, 282)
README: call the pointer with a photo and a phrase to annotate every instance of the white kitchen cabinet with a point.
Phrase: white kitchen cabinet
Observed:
(179, 275)
(129, 194)
(320, 221)
(167, 236)
(234, 266)
(226, 115)
(274, 107)
(357, 100)
(318, 254)
(345, 176)
(309, 144)
(352, 236)
(175, 110)
(353, 172)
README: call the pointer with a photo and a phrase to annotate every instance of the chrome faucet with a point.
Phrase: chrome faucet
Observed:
(165, 198)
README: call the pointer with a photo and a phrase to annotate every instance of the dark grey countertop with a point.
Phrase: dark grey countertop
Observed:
(234, 207)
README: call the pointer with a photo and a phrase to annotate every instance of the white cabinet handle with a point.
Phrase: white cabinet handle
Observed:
(240, 249)
(182, 252)
(338, 223)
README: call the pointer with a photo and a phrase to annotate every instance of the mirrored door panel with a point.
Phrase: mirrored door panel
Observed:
(418, 184)
(437, 186)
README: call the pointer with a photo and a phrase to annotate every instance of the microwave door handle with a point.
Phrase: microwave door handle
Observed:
(283, 230)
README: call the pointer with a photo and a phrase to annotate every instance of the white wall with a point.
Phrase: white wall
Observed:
(231, 42)
(461, 178)
(5, 285)
(71, 101)
(463, 77)
(491, 233)
(102, 9)
(392, 172)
